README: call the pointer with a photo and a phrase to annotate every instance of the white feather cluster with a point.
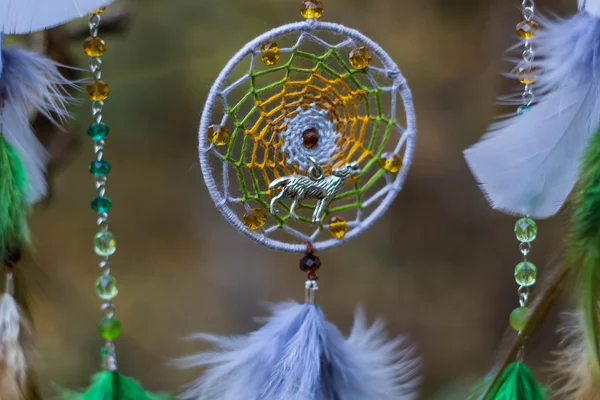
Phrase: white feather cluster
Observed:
(529, 164)
(298, 355)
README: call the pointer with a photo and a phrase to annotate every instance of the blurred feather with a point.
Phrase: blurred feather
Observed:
(528, 164)
(517, 383)
(25, 16)
(591, 6)
(16, 352)
(110, 385)
(571, 367)
(583, 253)
(28, 78)
(298, 355)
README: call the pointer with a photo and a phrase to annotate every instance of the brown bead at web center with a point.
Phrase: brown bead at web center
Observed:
(311, 138)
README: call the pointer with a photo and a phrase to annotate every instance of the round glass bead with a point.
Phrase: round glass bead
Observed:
(310, 138)
(109, 328)
(99, 168)
(105, 244)
(97, 90)
(312, 9)
(310, 263)
(270, 53)
(101, 204)
(360, 58)
(106, 287)
(519, 317)
(527, 75)
(390, 162)
(526, 230)
(255, 219)
(98, 131)
(217, 134)
(338, 227)
(528, 29)
(94, 46)
(525, 274)
(523, 109)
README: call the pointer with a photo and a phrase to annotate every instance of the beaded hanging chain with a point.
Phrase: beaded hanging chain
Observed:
(104, 241)
(525, 228)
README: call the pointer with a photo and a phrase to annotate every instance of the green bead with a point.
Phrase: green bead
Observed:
(99, 168)
(109, 328)
(519, 317)
(106, 287)
(525, 274)
(101, 204)
(98, 131)
(105, 244)
(526, 230)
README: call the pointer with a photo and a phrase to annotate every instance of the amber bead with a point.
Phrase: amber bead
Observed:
(94, 46)
(528, 29)
(310, 138)
(527, 74)
(97, 90)
(217, 134)
(338, 227)
(360, 58)
(310, 263)
(390, 162)
(98, 10)
(312, 9)
(270, 53)
(255, 219)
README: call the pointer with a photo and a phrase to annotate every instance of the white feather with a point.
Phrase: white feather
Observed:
(528, 164)
(25, 16)
(298, 355)
(11, 352)
(591, 6)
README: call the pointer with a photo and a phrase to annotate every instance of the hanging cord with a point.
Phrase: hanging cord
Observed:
(104, 241)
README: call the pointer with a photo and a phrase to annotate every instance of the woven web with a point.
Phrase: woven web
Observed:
(266, 108)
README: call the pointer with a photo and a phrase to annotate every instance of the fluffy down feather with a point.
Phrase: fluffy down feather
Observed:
(25, 16)
(298, 355)
(591, 6)
(529, 164)
(26, 78)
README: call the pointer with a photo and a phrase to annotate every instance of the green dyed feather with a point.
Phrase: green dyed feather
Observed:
(584, 249)
(517, 383)
(13, 210)
(110, 385)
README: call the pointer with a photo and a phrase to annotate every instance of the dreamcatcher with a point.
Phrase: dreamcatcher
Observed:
(528, 165)
(305, 140)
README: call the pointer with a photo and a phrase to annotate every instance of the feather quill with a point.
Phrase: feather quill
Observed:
(298, 355)
(528, 164)
(25, 16)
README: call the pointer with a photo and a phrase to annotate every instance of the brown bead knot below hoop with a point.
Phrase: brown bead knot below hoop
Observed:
(310, 263)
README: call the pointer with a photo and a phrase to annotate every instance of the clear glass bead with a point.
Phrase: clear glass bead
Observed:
(106, 287)
(526, 230)
(105, 244)
(525, 274)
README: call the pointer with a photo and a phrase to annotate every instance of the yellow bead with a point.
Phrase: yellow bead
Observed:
(94, 47)
(98, 10)
(390, 162)
(218, 135)
(312, 9)
(255, 219)
(527, 74)
(270, 53)
(360, 58)
(97, 90)
(528, 29)
(338, 227)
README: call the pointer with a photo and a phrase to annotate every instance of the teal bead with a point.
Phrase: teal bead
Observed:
(525, 274)
(98, 131)
(100, 168)
(101, 204)
(523, 109)
(526, 230)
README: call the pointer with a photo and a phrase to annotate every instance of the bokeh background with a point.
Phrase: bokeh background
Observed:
(438, 267)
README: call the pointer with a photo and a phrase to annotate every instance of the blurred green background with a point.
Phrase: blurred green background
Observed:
(438, 267)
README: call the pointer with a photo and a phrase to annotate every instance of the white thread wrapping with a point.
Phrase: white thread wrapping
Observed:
(394, 183)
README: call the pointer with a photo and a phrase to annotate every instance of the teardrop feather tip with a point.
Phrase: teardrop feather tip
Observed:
(298, 355)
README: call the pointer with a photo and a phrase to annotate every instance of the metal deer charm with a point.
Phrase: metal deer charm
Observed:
(312, 186)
